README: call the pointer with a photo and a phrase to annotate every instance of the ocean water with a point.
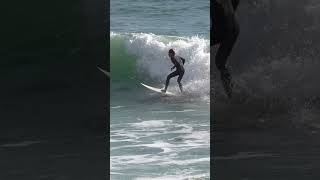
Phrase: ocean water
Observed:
(154, 136)
(275, 109)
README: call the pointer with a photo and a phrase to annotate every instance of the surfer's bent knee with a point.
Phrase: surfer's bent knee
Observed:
(220, 66)
(236, 30)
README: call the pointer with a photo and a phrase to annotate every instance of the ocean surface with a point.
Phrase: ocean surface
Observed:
(154, 136)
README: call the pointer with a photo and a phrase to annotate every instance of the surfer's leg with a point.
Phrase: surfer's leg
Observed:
(224, 52)
(171, 75)
(227, 43)
(179, 80)
(235, 4)
(218, 23)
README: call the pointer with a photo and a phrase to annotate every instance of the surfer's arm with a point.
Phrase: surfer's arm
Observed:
(173, 67)
(227, 6)
(183, 60)
(174, 62)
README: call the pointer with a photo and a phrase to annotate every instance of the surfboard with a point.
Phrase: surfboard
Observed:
(158, 90)
(104, 71)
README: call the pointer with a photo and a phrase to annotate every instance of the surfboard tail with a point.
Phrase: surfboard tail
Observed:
(157, 90)
(104, 71)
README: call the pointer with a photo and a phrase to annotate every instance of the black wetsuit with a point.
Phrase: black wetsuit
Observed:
(225, 30)
(178, 64)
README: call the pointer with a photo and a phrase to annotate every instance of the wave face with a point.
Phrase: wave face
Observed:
(275, 64)
(142, 57)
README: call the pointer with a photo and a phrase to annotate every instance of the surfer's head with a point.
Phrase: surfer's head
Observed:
(171, 53)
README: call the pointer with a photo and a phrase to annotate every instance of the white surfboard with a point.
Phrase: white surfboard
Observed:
(104, 71)
(158, 90)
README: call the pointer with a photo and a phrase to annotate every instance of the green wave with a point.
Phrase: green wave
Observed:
(122, 63)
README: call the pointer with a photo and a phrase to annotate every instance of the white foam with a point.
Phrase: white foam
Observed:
(183, 111)
(166, 147)
(132, 159)
(153, 143)
(116, 107)
(187, 162)
(152, 123)
(199, 136)
(177, 177)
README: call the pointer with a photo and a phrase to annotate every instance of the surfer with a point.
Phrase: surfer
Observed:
(225, 33)
(178, 63)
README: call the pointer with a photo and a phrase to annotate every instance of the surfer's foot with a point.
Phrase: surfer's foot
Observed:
(181, 89)
(163, 90)
(226, 82)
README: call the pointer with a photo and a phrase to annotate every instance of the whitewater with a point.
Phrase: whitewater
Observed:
(154, 136)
